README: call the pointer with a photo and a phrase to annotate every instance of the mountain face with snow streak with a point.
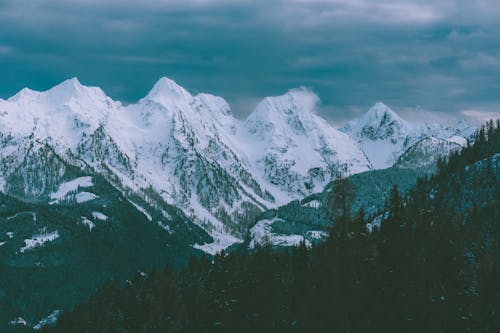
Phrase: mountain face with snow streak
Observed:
(296, 151)
(426, 152)
(385, 137)
(175, 149)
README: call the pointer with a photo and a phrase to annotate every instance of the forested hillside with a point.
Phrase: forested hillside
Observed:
(432, 266)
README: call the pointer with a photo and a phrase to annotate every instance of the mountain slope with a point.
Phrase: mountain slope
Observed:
(189, 151)
(385, 137)
(54, 255)
(175, 148)
(294, 149)
(430, 267)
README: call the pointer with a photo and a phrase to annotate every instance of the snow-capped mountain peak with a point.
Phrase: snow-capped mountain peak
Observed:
(464, 129)
(24, 94)
(190, 152)
(213, 103)
(295, 101)
(167, 93)
(379, 123)
(294, 149)
(277, 115)
(384, 136)
(60, 94)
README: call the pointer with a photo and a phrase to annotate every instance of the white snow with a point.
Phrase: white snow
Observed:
(384, 136)
(10, 234)
(458, 139)
(99, 216)
(39, 240)
(2, 243)
(312, 204)
(51, 319)
(287, 143)
(85, 197)
(142, 210)
(317, 234)
(71, 186)
(165, 227)
(376, 222)
(261, 234)
(88, 223)
(19, 321)
(221, 241)
(171, 141)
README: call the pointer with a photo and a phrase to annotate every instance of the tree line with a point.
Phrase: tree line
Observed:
(431, 266)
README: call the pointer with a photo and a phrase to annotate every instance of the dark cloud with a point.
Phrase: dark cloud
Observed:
(416, 56)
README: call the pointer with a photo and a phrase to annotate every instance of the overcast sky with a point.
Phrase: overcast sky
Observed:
(426, 59)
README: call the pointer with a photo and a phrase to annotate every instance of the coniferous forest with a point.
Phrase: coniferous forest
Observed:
(431, 266)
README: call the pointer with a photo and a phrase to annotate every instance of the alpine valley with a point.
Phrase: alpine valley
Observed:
(93, 189)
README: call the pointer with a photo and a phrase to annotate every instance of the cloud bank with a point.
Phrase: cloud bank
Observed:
(416, 56)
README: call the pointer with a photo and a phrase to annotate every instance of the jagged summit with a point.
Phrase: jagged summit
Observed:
(23, 94)
(191, 152)
(166, 91)
(295, 101)
(381, 133)
(60, 93)
(277, 115)
(294, 149)
(212, 103)
(379, 123)
(463, 128)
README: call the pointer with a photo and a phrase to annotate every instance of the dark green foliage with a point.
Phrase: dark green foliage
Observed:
(432, 267)
(72, 267)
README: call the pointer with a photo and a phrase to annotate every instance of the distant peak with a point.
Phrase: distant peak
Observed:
(379, 122)
(23, 94)
(60, 93)
(300, 100)
(213, 103)
(166, 89)
(72, 84)
(380, 110)
(463, 124)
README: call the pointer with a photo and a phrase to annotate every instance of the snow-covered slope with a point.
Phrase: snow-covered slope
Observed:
(425, 153)
(296, 151)
(189, 151)
(385, 137)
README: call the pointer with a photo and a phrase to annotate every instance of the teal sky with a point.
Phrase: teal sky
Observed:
(428, 60)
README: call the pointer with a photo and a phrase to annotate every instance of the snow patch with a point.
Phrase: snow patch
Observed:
(88, 223)
(71, 186)
(39, 240)
(85, 197)
(2, 243)
(99, 216)
(458, 139)
(376, 222)
(142, 210)
(261, 234)
(19, 321)
(312, 204)
(317, 234)
(221, 242)
(51, 319)
(165, 227)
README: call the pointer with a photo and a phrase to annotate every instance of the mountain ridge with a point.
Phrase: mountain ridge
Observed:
(192, 153)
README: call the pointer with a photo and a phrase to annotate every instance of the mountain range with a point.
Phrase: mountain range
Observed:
(93, 189)
(192, 153)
